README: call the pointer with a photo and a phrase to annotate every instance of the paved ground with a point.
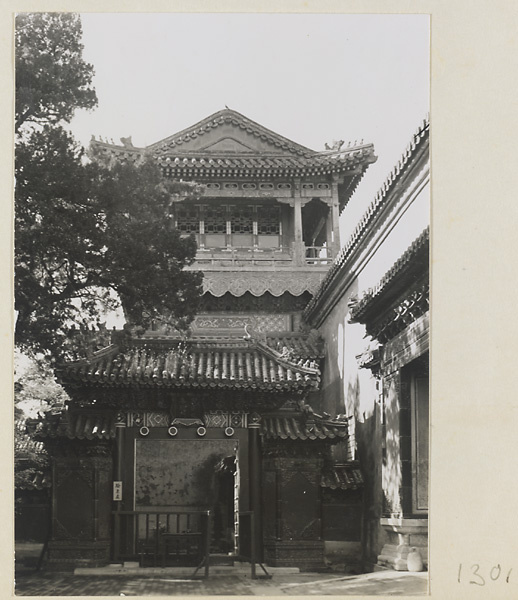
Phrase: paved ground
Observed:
(165, 584)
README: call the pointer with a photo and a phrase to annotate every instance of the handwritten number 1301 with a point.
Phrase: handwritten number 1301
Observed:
(477, 579)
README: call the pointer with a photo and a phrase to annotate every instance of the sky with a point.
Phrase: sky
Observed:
(311, 78)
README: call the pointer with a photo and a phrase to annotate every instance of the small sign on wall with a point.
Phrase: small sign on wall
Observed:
(117, 490)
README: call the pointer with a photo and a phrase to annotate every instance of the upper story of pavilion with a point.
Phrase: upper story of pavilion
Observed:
(266, 203)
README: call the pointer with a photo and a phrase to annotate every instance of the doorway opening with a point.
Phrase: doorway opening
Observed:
(225, 533)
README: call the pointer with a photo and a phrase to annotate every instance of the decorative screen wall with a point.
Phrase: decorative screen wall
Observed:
(178, 474)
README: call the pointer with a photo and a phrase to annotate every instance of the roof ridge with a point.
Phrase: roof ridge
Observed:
(283, 360)
(371, 211)
(421, 240)
(219, 118)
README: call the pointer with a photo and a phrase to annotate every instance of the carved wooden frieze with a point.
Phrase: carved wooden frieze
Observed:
(275, 282)
(214, 418)
(223, 419)
(257, 323)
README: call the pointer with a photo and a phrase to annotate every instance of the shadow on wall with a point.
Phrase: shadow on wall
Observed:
(391, 472)
(367, 433)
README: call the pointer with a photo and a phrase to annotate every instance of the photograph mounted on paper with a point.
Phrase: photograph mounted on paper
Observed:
(222, 303)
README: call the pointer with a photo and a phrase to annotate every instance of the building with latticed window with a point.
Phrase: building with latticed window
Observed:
(246, 425)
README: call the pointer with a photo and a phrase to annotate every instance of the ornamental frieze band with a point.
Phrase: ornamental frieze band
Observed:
(276, 283)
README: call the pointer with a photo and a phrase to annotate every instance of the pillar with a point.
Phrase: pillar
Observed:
(254, 463)
(119, 491)
(299, 250)
(335, 218)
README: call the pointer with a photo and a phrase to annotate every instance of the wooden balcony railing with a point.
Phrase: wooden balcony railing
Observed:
(235, 255)
(317, 255)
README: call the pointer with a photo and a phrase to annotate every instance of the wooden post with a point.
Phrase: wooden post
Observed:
(120, 426)
(207, 543)
(116, 536)
(255, 485)
(335, 217)
(298, 245)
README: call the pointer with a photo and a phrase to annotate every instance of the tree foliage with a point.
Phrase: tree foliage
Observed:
(52, 79)
(35, 391)
(88, 232)
(88, 235)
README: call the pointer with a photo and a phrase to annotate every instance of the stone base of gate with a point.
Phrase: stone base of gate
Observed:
(403, 534)
(68, 555)
(306, 555)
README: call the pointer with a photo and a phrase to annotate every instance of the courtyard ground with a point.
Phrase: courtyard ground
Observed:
(163, 582)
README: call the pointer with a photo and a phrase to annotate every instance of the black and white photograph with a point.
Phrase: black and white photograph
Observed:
(221, 285)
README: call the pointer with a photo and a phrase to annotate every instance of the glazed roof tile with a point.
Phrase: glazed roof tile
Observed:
(201, 166)
(316, 164)
(24, 443)
(232, 364)
(233, 117)
(287, 158)
(38, 481)
(302, 428)
(419, 143)
(296, 345)
(342, 477)
(81, 425)
(416, 257)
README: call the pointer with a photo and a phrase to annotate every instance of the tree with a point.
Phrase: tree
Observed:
(52, 79)
(35, 391)
(88, 233)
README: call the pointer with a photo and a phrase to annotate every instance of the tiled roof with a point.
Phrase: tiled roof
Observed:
(230, 364)
(292, 346)
(343, 477)
(204, 166)
(296, 345)
(37, 481)
(416, 257)
(31, 466)
(318, 164)
(82, 426)
(233, 117)
(287, 158)
(24, 443)
(418, 143)
(303, 428)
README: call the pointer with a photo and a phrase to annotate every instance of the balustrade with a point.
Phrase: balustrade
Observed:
(235, 256)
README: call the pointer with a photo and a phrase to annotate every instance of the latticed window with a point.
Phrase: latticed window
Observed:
(188, 219)
(268, 219)
(215, 218)
(241, 219)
